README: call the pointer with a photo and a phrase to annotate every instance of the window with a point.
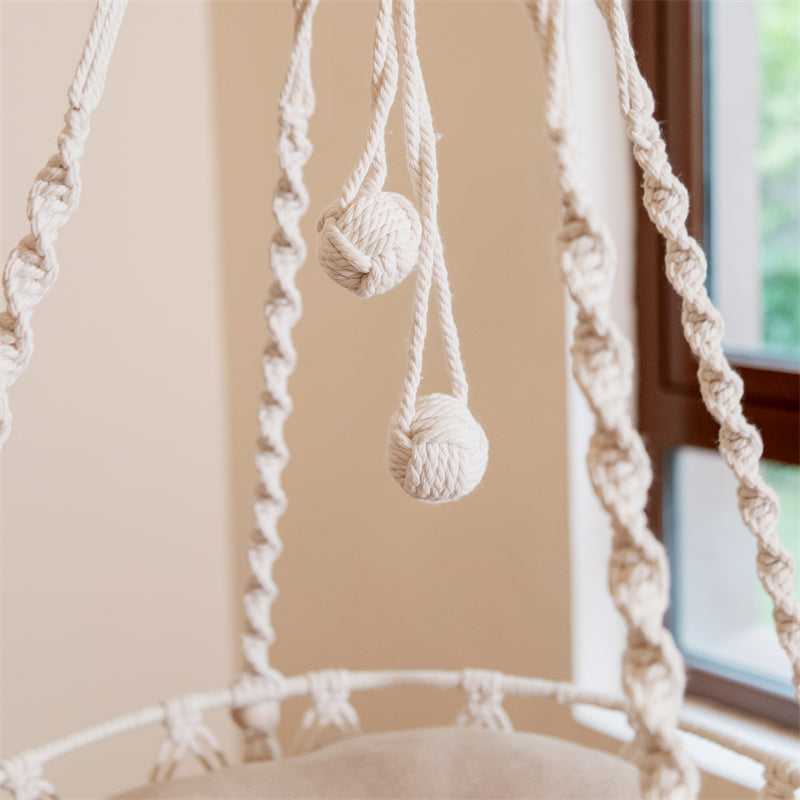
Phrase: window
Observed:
(725, 78)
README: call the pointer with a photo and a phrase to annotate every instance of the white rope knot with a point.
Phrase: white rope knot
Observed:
(330, 707)
(22, 778)
(484, 709)
(371, 245)
(257, 710)
(443, 456)
(183, 719)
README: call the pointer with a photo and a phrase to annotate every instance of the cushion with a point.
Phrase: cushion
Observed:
(451, 763)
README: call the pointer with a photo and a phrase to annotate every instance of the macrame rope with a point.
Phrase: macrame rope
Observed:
(667, 203)
(619, 467)
(437, 450)
(369, 238)
(785, 771)
(330, 707)
(186, 733)
(22, 779)
(32, 267)
(283, 310)
(484, 706)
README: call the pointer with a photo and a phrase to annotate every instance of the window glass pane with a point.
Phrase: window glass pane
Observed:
(752, 130)
(723, 618)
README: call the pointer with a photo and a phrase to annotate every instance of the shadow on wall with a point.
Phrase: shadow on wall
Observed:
(368, 578)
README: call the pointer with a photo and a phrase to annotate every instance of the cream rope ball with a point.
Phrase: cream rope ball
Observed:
(370, 245)
(443, 455)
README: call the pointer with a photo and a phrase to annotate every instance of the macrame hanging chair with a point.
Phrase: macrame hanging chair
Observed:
(370, 240)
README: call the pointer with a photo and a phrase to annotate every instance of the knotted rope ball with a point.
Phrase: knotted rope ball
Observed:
(443, 456)
(372, 244)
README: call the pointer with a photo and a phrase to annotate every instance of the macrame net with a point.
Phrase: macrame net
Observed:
(371, 240)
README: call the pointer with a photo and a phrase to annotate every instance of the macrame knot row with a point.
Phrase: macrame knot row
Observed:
(330, 707)
(370, 245)
(23, 779)
(443, 455)
(484, 709)
(183, 719)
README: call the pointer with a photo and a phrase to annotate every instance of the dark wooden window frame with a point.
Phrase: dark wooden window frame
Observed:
(668, 36)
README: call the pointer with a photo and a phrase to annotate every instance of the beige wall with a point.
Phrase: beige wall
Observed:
(127, 482)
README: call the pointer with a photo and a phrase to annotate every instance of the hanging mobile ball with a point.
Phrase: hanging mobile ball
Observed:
(444, 454)
(372, 244)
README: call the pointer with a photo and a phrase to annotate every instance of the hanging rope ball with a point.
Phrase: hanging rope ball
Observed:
(444, 454)
(372, 244)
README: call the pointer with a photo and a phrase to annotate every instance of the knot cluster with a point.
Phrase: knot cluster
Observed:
(370, 245)
(444, 454)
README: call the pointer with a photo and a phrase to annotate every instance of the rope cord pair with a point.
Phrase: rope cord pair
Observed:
(370, 240)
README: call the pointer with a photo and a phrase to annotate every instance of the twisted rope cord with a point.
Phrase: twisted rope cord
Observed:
(437, 450)
(283, 310)
(667, 203)
(619, 468)
(370, 172)
(369, 238)
(420, 141)
(32, 267)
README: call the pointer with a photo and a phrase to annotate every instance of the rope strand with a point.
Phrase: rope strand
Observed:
(619, 468)
(667, 203)
(32, 267)
(283, 310)
(437, 450)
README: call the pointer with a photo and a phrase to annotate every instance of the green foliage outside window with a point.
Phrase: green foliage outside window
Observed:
(779, 168)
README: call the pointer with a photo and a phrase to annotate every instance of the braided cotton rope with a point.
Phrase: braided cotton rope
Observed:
(437, 450)
(369, 238)
(619, 467)
(283, 309)
(667, 203)
(32, 267)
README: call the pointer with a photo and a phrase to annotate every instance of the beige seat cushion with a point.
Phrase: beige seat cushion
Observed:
(447, 763)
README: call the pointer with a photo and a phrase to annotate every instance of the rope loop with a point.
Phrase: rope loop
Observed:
(437, 451)
(22, 778)
(183, 719)
(369, 239)
(330, 707)
(484, 706)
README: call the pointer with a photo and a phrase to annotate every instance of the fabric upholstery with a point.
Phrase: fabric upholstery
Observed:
(447, 763)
